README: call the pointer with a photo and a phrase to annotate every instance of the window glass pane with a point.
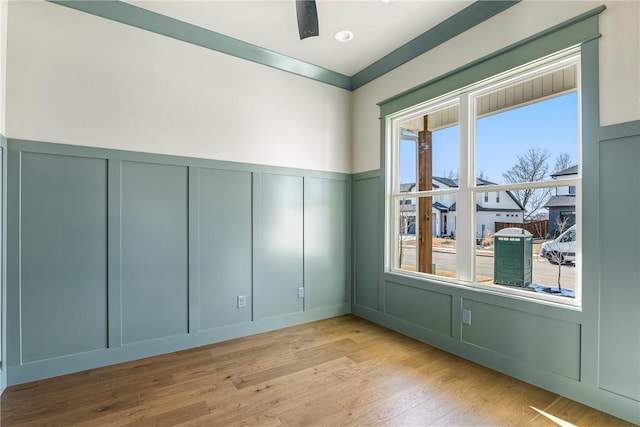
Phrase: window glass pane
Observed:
(526, 142)
(431, 153)
(427, 246)
(537, 254)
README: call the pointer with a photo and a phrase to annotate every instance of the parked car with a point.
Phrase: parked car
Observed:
(562, 249)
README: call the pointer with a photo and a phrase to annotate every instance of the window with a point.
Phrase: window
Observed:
(508, 135)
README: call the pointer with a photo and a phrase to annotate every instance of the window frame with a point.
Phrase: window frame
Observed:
(468, 189)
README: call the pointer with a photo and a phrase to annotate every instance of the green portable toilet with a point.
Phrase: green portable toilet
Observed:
(512, 257)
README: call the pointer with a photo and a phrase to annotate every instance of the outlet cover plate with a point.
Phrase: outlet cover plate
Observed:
(242, 301)
(466, 316)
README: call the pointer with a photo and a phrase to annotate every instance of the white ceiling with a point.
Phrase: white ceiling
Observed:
(379, 27)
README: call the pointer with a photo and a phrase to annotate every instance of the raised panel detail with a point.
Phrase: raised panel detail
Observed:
(224, 241)
(325, 242)
(280, 217)
(368, 232)
(63, 255)
(429, 309)
(619, 363)
(154, 251)
(526, 337)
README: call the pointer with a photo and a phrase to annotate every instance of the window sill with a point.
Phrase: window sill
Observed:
(534, 296)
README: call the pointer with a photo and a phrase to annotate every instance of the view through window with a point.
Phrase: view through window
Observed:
(485, 184)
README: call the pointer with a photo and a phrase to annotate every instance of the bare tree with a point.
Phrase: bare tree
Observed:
(563, 161)
(454, 175)
(556, 256)
(531, 166)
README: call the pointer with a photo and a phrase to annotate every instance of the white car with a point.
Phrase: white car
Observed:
(562, 249)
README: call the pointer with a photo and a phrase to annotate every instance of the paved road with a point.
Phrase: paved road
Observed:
(544, 273)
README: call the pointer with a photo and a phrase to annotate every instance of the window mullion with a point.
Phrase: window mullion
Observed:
(464, 199)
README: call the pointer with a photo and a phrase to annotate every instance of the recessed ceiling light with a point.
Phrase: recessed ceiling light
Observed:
(344, 36)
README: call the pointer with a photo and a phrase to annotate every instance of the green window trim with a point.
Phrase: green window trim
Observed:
(580, 32)
(572, 32)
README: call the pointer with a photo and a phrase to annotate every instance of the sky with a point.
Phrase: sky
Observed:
(551, 124)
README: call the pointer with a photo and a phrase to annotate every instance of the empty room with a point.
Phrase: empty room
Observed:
(320, 212)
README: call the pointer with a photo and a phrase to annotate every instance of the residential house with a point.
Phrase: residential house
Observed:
(562, 205)
(499, 206)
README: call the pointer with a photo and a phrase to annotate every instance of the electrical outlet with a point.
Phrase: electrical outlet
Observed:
(300, 292)
(466, 316)
(242, 301)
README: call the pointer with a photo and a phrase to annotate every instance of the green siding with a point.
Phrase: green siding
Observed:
(367, 242)
(154, 251)
(620, 272)
(325, 242)
(63, 262)
(279, 274)
(224, 252)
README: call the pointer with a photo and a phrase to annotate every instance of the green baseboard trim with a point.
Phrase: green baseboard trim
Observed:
(80, 362)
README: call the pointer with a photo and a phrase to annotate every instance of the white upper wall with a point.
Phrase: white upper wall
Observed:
(619, 64)
(3, 62)
(78, 79)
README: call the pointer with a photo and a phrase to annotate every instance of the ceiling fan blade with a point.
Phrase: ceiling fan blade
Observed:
(307, 18)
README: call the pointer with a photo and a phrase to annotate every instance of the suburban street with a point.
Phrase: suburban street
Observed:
(544, 273)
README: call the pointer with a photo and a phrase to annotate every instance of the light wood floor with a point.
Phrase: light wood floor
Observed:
(337, 372)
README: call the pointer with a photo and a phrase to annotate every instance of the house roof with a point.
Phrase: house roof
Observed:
(558, 201)
(409, 186)
(446, 181)
(440, 207)
(481, 209)
(573, 170)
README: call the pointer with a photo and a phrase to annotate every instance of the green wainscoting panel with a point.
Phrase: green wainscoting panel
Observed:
(619, 363)
(224, 246)
(367, 242)
(63, 255)
(278, 219)
(419, 306)
(549, 344)
(325, 242)
(154, 251)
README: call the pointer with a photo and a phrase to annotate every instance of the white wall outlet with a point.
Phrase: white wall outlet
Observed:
(300, 292)
(242, 301)
(466, 316)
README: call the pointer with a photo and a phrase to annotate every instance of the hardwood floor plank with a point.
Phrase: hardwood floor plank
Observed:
(343, 371)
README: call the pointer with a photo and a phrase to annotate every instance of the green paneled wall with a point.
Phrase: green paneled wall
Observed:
(118, 255)
(224, 246)
(326, 257)
(431, 310)
(547, 343)
(63, 255)
(154, 245)
(619, 364)
(279, 245)
(367, 243)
